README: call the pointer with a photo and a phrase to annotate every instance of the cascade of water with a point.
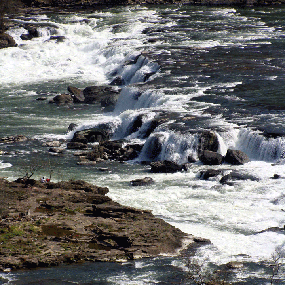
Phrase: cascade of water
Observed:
(260, 148)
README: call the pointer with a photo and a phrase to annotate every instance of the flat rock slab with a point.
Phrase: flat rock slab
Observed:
(47, 224)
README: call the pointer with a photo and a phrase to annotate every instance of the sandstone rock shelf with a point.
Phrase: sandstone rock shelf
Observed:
(48, 224)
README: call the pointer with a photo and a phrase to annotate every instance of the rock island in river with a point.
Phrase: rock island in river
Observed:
(47, 224)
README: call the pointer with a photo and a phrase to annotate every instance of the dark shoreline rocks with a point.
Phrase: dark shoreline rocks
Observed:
(48, 224)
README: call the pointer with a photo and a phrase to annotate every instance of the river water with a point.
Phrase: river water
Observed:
(222, 67)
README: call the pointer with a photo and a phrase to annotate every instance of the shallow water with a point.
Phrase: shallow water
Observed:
(223, 67)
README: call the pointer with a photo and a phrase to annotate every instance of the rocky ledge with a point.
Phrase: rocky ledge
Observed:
(47, 224)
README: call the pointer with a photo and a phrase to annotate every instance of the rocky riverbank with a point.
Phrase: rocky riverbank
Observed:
(48, 224)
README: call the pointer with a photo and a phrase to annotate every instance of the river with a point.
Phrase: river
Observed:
(221, 69)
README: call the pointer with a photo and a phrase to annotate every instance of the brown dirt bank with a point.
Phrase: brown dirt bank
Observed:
(47, 224)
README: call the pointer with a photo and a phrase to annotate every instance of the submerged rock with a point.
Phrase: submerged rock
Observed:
(210, 173)
(166, 167)
(142, 182)
(13, 139)
(237, 176)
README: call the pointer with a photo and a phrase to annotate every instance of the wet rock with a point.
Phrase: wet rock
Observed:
(234, 265)
(58, 39)
(62, 99)
(109, 102)
(236, 157)
(153, 147)
(166, 167)
(52, 144)
(210, 173)
(208, 140)
(13, 139)
(276, 176)
(56, 150)
(72, 127)
(118, 81)
(211, 158)
(233, 176)
(77, 145)
(41, 98)
(99, 133)
(32, 33)
(274, 229)
(77, 94)
(135, 125)
(6, 41)
(142, 182)
(95, 94)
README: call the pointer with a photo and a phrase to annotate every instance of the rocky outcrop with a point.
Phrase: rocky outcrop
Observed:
(6, 41)
(236, 157)
(62, 99)
(44, 224)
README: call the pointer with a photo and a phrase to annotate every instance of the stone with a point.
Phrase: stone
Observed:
(166, 166)
(77, 94)
(76, 145)
(95, 94)
(208, 140)
(58, 39)
(210, 173)
(211, 158)
(72, 127)
(101, 132)
(153, 147)
(135, 125)
(13, 139)
(62, 99)
(236, 157)
(118, 81)
(233, 176)
(142, 182)
(7, 41)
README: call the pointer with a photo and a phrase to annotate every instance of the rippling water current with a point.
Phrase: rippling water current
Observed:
(223, 67)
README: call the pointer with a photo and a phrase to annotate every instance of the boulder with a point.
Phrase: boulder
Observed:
(118, 81)
(135, 125)
(32, 33)
(62, 99)
(99, 133)
(142, 182)
(236, 157)
(72, 127)
(166, 167)
(95, 94)
(211, 158)
(153, 147)
(233, 176)
(6, 41)
(208, 140)
(77, 94)
(109, 102)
